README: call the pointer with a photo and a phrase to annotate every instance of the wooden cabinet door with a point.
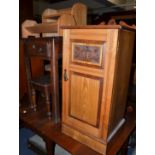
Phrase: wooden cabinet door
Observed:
(83, 81)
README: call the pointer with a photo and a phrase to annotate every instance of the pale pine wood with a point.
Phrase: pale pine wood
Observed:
(86, 70)
(65, 19)
(92, 143)
(65, 55)
(89, 34)
(53, 20)
(51, 13)
(91, 130)
(25, 31)
(79, 12)
(108, 79)
(47, 18)
(43, 28)
(84, 98)
(100, 27)
(94, 102)
(124, 61)
(46, 15)
(78, 27)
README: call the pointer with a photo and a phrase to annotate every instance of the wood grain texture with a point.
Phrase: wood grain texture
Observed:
(84, 101)
(79, 12)
(88, 34)
(39, 50)
(100, 27)
(122, 75)
(51, 133)
(84, 139)
(90, 107)
(25, 32)
(52, 20)
(43, 28)
(108, 79)
(65, 19)
(88, 128)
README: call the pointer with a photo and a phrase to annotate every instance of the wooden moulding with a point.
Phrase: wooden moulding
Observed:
(95, 145)
(102, 26)
(98, 146)
(93, 121)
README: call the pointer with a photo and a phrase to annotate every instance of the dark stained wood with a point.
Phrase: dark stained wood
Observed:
(25, 12)
(51, 133)
(37, 69)
(56, 51)
(22, 72)
(50, 147)
(43, 48)
(123, 134)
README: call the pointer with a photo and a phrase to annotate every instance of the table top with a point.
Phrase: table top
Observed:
(39, 123)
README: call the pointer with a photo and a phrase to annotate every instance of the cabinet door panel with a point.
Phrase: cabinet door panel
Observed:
(83, 65)
(82, 109)
(87, 53)
(84, 98)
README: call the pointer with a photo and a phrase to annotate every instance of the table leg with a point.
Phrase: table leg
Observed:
(50, 146)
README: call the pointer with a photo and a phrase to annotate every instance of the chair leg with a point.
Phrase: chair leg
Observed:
(34, 105)
(47, 98)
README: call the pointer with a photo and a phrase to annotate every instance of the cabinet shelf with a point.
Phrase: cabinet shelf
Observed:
(44, 28)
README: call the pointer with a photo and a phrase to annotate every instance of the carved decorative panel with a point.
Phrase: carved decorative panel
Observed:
(87, 53)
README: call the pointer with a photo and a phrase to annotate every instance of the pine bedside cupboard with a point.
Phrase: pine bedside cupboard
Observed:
(96, 70)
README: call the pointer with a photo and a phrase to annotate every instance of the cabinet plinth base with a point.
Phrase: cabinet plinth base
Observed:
(95, 144)
(90, 142)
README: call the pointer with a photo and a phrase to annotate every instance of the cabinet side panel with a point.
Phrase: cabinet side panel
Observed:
(121, 79)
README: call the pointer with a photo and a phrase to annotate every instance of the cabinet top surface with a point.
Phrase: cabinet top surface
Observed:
(43, 38)
(98, 27)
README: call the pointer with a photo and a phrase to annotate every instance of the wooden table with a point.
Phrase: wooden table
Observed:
(39, 123)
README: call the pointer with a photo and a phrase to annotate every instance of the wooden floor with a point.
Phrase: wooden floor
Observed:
(39, 123)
